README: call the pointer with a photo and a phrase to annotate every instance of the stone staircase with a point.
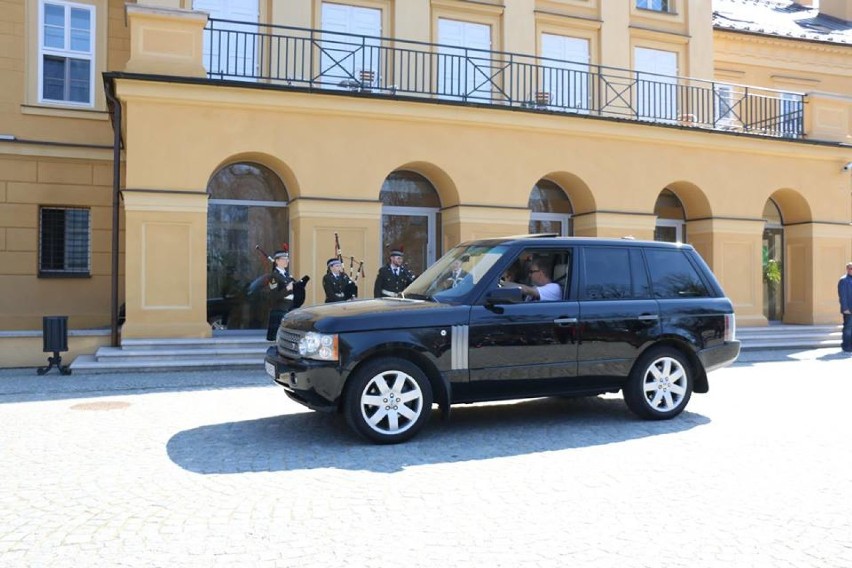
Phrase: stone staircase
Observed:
(230, 350)
(245, 350)
(784, 336)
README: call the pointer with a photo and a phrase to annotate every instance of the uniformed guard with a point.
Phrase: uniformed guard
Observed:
(286, 292)
(393, 277)
(337, 285)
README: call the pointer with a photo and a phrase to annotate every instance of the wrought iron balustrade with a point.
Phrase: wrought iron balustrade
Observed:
(335, 61)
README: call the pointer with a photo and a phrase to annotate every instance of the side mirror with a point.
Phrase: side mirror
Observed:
(504, 296)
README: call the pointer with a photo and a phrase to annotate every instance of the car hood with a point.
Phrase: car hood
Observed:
(372, 315)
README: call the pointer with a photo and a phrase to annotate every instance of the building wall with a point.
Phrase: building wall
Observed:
(53, 155)
(784, 64)
(338, 150)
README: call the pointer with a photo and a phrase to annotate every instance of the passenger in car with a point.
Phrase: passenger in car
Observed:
(543, 288)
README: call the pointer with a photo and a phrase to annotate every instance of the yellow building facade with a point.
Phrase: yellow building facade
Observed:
(384, 123)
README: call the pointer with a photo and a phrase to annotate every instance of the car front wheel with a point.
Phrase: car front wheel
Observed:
(659, 385)
(388, 401)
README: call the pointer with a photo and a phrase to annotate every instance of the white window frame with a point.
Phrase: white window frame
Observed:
(677, 225)
(651, 107)
(576, 97)
(789, 126)
(67, 52)
(431, 214)
(563, 218)
(241, 54)
(337, 35)
(665, 6)
(724, 106)
(471, 83)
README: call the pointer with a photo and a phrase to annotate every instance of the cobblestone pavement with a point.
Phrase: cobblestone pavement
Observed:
(221, 469)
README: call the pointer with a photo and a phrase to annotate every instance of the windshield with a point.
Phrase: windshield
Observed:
(456, 273)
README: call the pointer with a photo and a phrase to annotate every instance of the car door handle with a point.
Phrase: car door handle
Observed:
(648, 317)
(564, 321)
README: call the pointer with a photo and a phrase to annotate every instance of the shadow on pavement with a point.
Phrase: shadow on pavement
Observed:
(312, 440)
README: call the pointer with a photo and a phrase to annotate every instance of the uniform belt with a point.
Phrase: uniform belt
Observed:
(391, 294)
(339, 294)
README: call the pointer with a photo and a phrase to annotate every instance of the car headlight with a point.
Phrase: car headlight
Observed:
(318, 346)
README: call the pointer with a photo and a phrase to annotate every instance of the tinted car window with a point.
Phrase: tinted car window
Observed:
(673, 276)
(555, 265)
(607, 273)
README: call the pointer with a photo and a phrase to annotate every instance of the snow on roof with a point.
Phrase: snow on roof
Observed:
(780, 18)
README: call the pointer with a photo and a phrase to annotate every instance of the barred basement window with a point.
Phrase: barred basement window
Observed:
(64, 242)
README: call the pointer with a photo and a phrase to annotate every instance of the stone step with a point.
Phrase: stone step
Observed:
(195, 343)
(90, 365)
(216, 352)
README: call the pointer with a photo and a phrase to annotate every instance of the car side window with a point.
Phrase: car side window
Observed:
(607, 273)
(549, 270)
(673, 276)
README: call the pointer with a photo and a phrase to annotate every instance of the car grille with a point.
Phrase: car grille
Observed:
(288, 343)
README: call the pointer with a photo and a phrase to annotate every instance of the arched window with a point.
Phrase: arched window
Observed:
(671, 218)
(410, 218)
(550, 209)
(247, 207)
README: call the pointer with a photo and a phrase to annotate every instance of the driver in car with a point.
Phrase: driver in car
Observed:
(542, 288)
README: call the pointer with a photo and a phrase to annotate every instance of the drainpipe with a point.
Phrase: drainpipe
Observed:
(116, 193)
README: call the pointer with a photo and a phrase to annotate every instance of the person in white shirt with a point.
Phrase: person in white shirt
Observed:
(543, 288)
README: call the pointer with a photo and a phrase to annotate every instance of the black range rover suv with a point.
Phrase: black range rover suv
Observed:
(646, 318)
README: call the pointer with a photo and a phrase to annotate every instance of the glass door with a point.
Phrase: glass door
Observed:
(233, 264)
(412, 228)
(773, 283)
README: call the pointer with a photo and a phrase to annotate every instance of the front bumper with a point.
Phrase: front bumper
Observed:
(315, 384)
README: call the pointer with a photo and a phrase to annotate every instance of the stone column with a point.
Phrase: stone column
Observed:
(313, 223)
(733, 249)
(165, 221)
(815, 255)
(166, 264)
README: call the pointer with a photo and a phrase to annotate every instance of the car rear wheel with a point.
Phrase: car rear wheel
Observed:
(388, 401)
(660, 384)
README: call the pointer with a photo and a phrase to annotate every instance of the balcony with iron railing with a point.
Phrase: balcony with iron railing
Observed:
(318, 60)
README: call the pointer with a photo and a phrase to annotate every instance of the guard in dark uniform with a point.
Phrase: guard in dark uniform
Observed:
(393, 277)
(282, 289)
(337, 285)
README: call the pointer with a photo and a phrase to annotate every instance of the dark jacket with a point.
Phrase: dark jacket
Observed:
(844, 293)
(390, 285)
(338, 288)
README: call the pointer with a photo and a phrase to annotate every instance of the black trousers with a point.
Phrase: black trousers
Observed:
(275, 317)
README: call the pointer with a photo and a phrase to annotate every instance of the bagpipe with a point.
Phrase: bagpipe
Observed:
(273, 279)
(354, 273)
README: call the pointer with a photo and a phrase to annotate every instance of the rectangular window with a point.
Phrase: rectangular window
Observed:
(66, 52)
(607, 276)
(64, 242)
(791, 115)
(673, 276)
(656, 5)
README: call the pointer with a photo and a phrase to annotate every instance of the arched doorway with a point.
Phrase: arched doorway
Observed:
(671, 218)
(247, 207)
(550, 209)
(773, 262)
(410, 219)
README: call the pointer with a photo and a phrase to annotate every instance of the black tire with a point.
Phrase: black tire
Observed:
(388, 400)
(660, 384)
